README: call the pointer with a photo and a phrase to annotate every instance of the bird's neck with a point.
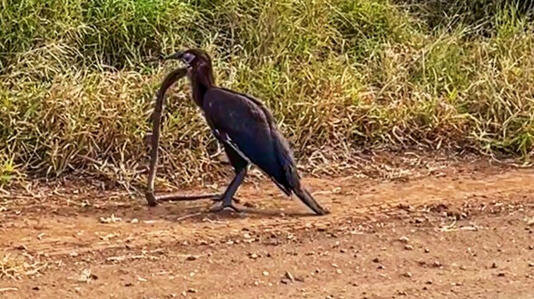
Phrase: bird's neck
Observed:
(202, 79)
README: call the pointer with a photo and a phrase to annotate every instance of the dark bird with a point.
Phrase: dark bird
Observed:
(246, 130)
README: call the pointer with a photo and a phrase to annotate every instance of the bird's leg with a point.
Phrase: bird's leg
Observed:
(230, 191)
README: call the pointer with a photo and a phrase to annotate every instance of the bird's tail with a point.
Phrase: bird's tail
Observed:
(308, 200)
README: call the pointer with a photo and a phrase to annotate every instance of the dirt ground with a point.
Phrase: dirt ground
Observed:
(461, 230)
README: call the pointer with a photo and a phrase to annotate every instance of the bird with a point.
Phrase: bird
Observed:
(247, 131)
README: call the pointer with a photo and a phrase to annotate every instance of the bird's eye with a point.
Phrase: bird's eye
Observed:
(188, 57)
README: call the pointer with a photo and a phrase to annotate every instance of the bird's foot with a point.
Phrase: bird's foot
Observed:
(220, 207)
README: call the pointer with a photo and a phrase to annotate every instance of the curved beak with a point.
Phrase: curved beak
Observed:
(177, 55)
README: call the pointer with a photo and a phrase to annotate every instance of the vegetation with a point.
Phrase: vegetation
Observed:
(76, 88)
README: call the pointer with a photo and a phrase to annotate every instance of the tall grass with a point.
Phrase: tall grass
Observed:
(76, 90)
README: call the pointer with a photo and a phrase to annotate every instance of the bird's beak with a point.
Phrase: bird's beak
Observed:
(177, 55)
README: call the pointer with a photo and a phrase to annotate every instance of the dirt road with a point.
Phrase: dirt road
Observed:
(465, 231)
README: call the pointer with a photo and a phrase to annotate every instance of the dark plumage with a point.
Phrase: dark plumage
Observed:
(246, 129)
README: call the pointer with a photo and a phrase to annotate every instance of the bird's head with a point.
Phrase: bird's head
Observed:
(194, 59)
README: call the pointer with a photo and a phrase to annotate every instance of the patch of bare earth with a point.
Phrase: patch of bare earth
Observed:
(464, 231)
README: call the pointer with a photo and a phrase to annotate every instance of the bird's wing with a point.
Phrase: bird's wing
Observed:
(284, 152)
(250, 127)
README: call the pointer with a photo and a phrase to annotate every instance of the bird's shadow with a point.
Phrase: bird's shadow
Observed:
(197, 208)
(198, 212)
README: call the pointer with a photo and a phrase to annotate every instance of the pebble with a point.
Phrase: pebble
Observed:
(265, 273)
(407, 274)
(402, 293)
(376, 260)
(408, 247)
(421, 262)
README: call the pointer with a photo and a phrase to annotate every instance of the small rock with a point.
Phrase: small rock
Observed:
(338, 271)
(21, 247)
(427, 250)
(428, 282)
(402, 293)
(284, 281)
(191, 258)
(265, 273)
(436, 264)
(408, 247)
(380, 267)
(421, 262)
(404, 239)
(134, 221)
(191, 290)
(501, 274)
(376, 260)
(494, 265)
(407, 274)
(531, 264)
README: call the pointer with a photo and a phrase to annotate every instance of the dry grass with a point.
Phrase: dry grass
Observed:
(15, 266)
(75, 91)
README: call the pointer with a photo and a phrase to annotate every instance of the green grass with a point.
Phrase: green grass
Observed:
(76, 90)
